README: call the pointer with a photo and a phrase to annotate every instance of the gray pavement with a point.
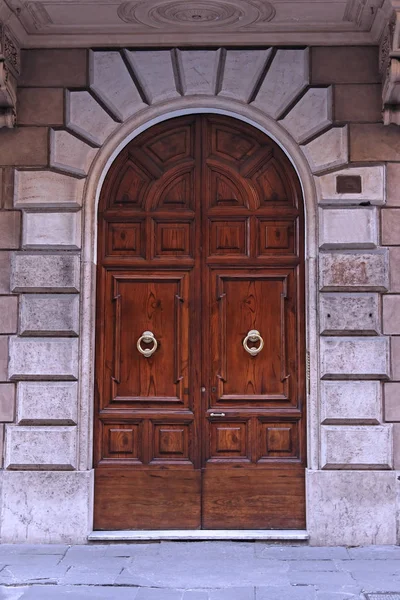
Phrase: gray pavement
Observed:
(198, 571)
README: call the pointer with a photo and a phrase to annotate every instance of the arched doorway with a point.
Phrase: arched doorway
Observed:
(200, 347)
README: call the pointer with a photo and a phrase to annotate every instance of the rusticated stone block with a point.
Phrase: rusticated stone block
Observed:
(7, 188)
(349, 227)
(40, 106)
(396, 446)
(351, 508)
(25, 147)
(45, 189)
(372, 184)
(392, 402)
(352, 402)
(311, 114)
(69, 153)
(354, 271)
(55, 230)
(47, 403)
(391, 226)
(10, 229)
(44, 314)
(328, 150)
(393, 184)
(7, 402)
(87, 118)
(374, 142)
(50, 448)
(8, 314)
(3, 358)
(242, 71)
(394, 269)
(344, 314)
(355, 358)
(391, 314)
(358, 103)
(155, 73)
(41, 358)
(199, 71)
(64, 499)
(53, 68)
(356, 447)
(346, 64)
(45, 273)
(5, 272)
(395, 357)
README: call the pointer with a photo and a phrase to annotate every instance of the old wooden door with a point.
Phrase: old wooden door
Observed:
(200, 385)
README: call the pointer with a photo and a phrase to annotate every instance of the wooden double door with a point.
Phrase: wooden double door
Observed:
(200, 368)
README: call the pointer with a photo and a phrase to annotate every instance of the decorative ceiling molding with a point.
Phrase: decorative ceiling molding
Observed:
(163, 23)
(9, 72)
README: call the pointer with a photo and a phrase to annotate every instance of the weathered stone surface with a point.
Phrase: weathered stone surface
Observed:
(56, 314)
(355, 358)
(86, 118)
(5, 272)
(353, 402)
(351, 508)
(54, 230)
(45, 273)
(10, 229)
(69, 153)
(393, 184)
(45, 189)
(392, 401)
(111, 81)
(394, 269)
(155, 73)
(40, 106)
(47, 403)
(358, 103)
(391, 226)
(41, 358)
(242, 71)
(395, 357)
(344, 314)
(346, 64)
(374, 141)
(356, 447)
(24, 147)
(8, 314)
(53, 67)
(349, 227)
(33, 500)
(391, 314)
(199, 71)
(354, 271)
(311, 114)
(372, 186)
(45, 448)
(3, 358)
(328, 150)
(7, 402)
(287, 77)
(396, 446)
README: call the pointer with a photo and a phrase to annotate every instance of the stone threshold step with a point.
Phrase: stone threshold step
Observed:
(284, 535)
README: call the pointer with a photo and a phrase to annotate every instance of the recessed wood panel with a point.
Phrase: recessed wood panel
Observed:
(130, 187)
(276, 237)
(175, 192)
(278, 440)
(226, 189)
(271, 185)
(170, 441)
(228, 237)
(228, 440)
(122, 441)
(172, 239)
(171, 147)
(126, 239)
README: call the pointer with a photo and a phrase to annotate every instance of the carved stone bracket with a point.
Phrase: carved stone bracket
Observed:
(9, 72)
(389, 65)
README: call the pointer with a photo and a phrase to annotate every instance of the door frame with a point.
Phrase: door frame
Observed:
(103, 161)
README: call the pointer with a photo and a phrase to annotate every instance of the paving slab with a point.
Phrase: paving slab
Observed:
(56, 592)
(300, 552)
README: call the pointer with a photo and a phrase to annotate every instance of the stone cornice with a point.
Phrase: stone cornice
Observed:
(9, 72)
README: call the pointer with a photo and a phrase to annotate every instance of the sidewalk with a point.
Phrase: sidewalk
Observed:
(198, 571)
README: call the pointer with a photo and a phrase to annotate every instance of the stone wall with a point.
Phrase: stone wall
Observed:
(325, 103)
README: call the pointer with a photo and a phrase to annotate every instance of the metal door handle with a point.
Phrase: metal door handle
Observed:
(148, 338)
(217, 414)
(253, 336)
